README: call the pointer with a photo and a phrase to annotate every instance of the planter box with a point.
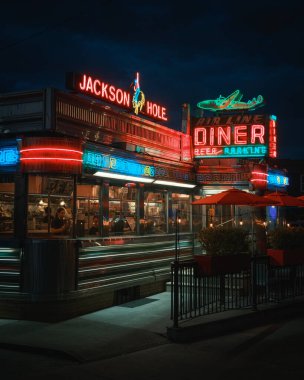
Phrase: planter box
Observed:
(282, 257)
(217, 265)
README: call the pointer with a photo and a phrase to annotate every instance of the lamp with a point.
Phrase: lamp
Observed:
(171, 183)
(123, 177)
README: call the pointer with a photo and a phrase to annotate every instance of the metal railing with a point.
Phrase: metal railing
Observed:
(194, 294)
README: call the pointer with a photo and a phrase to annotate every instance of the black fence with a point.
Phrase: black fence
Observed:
(194, 294)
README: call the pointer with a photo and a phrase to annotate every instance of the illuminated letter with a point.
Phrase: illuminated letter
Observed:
(82, 86)
(149, 108)
(211, 136)
(126, 100)
(257, 131)
(200, 132)
(104, 89)
(238, 135)
(89, 85)
(119, 96)
(154, 110)
(164, 116)
(112, 93)
(226, 136)
(97, 82)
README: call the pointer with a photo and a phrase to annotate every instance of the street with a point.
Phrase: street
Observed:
(273, 351)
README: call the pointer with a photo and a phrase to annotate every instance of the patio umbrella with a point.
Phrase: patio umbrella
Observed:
(234, 197)
(283, 199)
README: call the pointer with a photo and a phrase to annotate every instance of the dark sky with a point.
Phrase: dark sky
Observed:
(184, 53)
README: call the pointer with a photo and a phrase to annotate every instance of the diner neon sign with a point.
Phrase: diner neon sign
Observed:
(230, 141)
(113, 163)
(99, 89)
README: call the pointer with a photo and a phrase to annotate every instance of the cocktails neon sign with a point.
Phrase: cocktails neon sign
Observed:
(113, 163)
(99, 89)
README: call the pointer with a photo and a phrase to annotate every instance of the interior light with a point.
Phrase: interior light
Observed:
(123, 177)
(177, 184)
(241, 222)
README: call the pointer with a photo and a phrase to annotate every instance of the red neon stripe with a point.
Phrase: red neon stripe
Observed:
(51, 149)
(259, 180)
(51, 158)
(259, 173)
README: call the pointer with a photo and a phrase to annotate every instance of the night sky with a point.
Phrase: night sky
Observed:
(184, 53)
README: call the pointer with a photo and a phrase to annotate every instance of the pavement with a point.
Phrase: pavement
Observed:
(131, 327)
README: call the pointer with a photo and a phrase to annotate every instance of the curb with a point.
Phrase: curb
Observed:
(200, 329)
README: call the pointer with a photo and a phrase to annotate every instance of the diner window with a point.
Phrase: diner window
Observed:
(7, 193)
(198, 212)
(47, 198)
(181, 202)
(88, 213)
(122, 210)
(155, 212)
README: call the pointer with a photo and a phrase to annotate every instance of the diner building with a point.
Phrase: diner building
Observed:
(118, 173)
(96, 192)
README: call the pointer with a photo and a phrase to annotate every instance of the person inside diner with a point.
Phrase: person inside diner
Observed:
(94, 228)
(60, 224)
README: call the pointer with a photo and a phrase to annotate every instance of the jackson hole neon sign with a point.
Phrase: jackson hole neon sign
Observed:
(230, 141)
(101, 90)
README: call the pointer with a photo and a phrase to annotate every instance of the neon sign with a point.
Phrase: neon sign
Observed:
(272, 137)
(138, 100)
(99, 89)
(9, 156)
(112, 163)
(277, 180)
(61, 155)
(230, 141)
(231, 103)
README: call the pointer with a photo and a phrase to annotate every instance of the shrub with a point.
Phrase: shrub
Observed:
(286, 238)
(224, 240)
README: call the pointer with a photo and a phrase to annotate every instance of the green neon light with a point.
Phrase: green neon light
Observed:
(236, 151)
(232, 102)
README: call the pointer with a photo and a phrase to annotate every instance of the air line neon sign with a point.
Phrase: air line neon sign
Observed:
(102, 90)
(230, 141)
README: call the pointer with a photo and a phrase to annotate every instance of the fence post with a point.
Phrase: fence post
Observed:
(175, 293)
(254, 282)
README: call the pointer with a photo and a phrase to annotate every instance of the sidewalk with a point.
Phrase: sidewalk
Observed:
(130, 327)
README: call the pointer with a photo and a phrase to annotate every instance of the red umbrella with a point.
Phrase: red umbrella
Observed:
(234, 197)
(283, 199)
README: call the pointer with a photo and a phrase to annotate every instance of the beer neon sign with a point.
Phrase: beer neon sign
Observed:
(101, 90)
(277, 180)
(230, 141)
